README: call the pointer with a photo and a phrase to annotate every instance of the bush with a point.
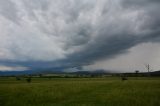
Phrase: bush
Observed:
(18, 78)
(124, 78)
(28, 80)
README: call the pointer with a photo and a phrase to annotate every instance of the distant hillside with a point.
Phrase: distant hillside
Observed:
(155, 73)
(95, 72)
(91, 72)
(10, 73)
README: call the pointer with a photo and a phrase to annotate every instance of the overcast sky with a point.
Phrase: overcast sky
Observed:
(115, 35)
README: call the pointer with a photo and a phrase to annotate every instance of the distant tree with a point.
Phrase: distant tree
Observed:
(136, 71)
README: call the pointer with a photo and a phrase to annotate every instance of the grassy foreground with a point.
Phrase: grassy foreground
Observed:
(80, 92)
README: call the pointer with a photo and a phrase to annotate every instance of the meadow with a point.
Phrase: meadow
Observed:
(110, 91)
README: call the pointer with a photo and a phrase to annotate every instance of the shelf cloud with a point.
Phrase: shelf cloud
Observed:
(74, 33)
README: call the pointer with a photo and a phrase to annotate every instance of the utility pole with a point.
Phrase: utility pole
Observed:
(148, 69)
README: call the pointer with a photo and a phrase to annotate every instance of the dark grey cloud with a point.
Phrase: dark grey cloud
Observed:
(74, 33)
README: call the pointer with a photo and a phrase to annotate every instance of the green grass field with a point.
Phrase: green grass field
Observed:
(80, 92)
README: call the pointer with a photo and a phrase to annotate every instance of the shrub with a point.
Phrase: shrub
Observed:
(124, 78)
(28, 80)
(18, 78)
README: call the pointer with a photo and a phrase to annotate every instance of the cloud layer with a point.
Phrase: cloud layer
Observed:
(73, 33)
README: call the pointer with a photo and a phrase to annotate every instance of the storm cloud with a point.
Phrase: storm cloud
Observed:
(73, 33)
